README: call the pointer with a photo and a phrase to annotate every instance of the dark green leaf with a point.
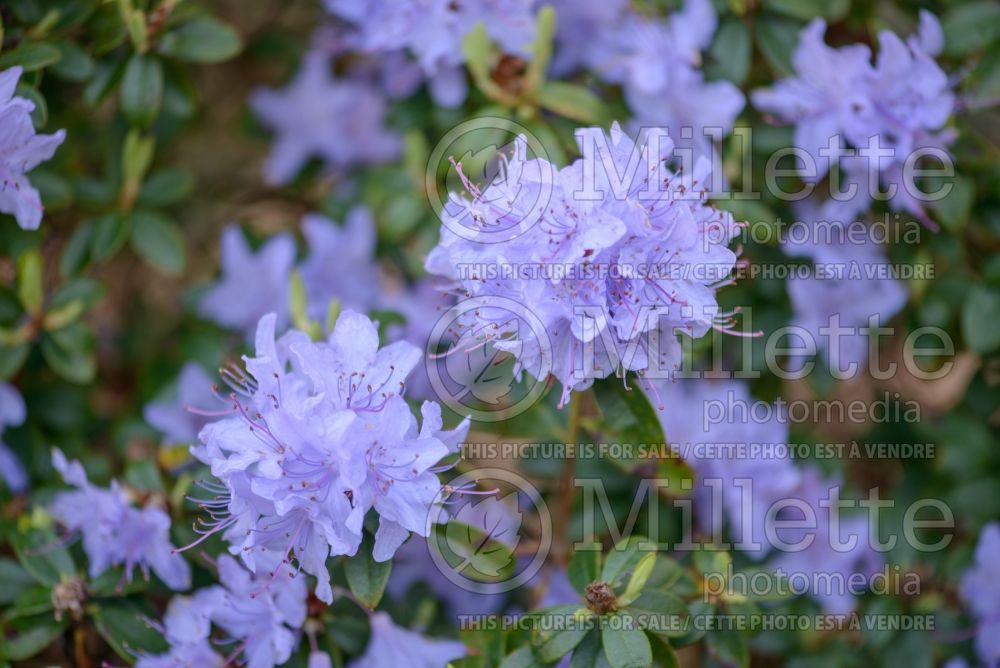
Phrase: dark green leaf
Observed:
(111, 231)
(625, 646)
(980, 318)
(776, 39)
(806, 10)
(203, 39)
(31, 56)
(75, 65)
(729, 647)
(166, 187)
(158, 240)
(730, 53)
(142, 89)
(70, 353)
(32, 640)
(572, 101)
(589, 653)
(123, 624)
(584, 567)
(365, 576)
(14, 580)
(43, 556)
(555, 640)
(971, 26)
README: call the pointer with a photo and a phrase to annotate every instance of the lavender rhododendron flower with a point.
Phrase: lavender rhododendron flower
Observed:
(12, 414)
(320, 434)
(261, 612)
(391, 646)
(114, 532)
(980, 589)
(903, 99)
(432, 32)
(252, 284)
(186, 627)
(622, 262)
(658, 63)
(341, 122)
(720, 415)
(340, 265)
(181, 418)
(21, 150)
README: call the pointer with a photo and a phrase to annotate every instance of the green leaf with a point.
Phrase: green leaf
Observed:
(776, 39)
(729, 647)
(970, 27)
(629, 413)
(623, 558)
(521, 658)
(75, 251)
(584, 567)
(636, 582)
(111, 231)
(30, 56)
(730, 53)
(661, 612)
(40, 114)
(43, 556)
(553, 641)
(56, 191)
(166, 187)
(142, 89)
(74, 65)
(541, 51)
(365, 576)
(203, 39)
(980, 315)
(14, 580)
(34, 601)
(663, 654)
(12, 358)
(589, 653)
(32, 640)
(572, 101)
(953, 209)
(122, 624)
(70, 353)
(29, 281)
(625, 646)
(159, 241)
(832, 10)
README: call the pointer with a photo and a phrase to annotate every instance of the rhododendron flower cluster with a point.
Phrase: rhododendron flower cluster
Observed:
(114, 532)
(432, 32)
(751, 486)
(904, 99)
(639, 261)
(319, 435)
(21, 150)
(12, 413)
(260, 615)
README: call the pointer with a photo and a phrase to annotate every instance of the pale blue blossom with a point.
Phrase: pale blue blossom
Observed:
(340, 121)
(431, 31)
(12, 413)
(186, 628)
(181, 417)
(252, 284)
(980, 590)
(647, 256)
(391, 646)
(114, 532)
(341, 263)
(21, 150)
(319, 435)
